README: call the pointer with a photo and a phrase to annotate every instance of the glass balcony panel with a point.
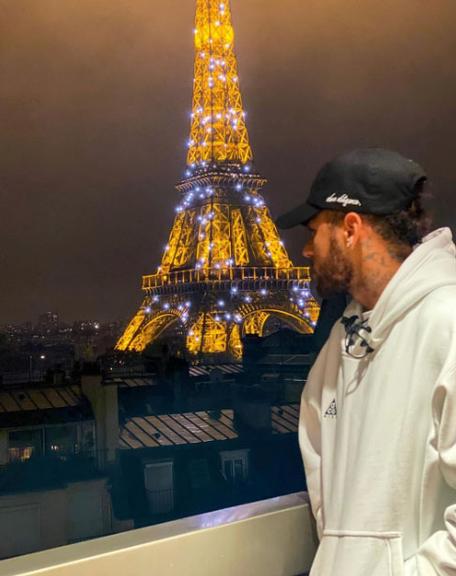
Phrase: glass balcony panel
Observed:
(268, 538)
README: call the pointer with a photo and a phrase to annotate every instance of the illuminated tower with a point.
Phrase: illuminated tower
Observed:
(224, 271)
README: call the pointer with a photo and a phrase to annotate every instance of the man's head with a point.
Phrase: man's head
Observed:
(364, 212)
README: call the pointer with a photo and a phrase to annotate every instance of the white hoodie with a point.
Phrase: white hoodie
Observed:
(378, 434)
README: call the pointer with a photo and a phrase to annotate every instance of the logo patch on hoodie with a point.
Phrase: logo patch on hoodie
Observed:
(331, 412)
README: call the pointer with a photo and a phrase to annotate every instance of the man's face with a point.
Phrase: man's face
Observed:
(331, 268)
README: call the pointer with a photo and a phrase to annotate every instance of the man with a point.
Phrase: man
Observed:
(378, 413)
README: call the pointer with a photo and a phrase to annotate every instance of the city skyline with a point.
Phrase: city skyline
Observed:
(95, 131)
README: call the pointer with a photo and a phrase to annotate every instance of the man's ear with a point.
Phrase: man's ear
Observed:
(352, 226)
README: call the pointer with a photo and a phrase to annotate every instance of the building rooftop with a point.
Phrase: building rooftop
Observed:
(139, 382)
(196, 427)
(220, 368)
(28, 405)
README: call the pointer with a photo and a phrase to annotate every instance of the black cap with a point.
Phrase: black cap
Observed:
(368, 181)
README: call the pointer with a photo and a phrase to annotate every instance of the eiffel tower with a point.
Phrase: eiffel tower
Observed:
(224, 272)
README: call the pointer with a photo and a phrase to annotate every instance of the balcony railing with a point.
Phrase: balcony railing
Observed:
(32, 473)
(270, 538)
(248, 275)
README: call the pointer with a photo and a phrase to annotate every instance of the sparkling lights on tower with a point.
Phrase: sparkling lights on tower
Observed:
(224, 270)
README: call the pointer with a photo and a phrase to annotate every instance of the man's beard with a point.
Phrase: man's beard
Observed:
(334, 274)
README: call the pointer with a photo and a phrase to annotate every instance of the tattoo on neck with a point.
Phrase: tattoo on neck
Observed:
(375, 257)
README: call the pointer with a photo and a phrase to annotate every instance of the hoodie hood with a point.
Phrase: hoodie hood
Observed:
(430, 266)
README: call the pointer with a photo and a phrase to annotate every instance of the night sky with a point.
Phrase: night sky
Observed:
(95, 97)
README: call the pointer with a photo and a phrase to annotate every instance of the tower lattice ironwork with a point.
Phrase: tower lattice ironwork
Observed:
(224, 271)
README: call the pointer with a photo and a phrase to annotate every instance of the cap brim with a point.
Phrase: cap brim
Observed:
(298, 216)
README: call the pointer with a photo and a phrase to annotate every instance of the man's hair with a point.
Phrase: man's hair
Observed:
(401, 230)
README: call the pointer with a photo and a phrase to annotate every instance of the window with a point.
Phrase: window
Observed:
(87, 437)
(25, 444)
(61, 440)
(159, 484)
(235, 465)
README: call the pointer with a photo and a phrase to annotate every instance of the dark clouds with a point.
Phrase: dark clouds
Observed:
(94, 103)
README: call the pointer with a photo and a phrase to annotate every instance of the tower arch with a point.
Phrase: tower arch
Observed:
(255, 322)
(152, 329)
